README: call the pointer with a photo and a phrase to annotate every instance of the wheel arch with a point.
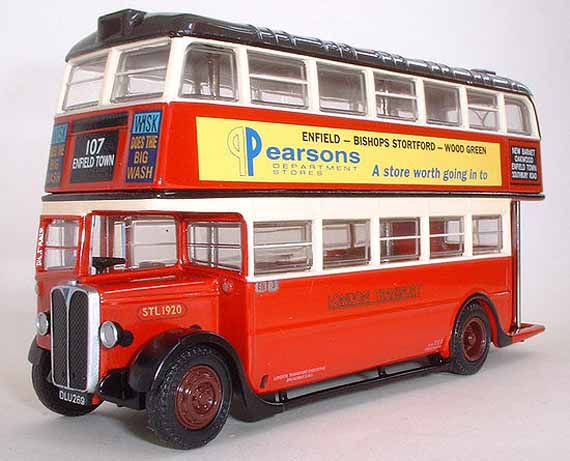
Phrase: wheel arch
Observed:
(149, 366)
(499, 337)
(36, 353)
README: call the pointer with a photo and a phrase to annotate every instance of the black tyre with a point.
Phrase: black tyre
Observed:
(48, 393)
(190, 404)
(470, 340)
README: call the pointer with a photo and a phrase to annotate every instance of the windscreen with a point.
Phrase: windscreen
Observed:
(121, 243)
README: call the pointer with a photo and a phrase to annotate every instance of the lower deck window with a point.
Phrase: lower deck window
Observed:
(61, 244)
(399, 239)
(136, 242)
(446, 236)
(282, 246)
(346, 243)
(487, 234)
(215, 244)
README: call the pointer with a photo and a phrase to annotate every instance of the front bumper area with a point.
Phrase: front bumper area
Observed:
(115, 388)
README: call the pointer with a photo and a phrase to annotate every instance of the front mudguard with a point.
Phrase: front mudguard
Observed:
(149, 366)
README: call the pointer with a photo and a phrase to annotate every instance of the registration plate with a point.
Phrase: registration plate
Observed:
(79, 398)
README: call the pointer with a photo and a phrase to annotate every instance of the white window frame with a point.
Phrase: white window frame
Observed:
(213, 246)
(174, 67)
(145, 96)
(315, 209)
(222, 48)
(417, 237)
(461, 234)
(129, 251)
(499, 232)
(353, 69)
(394, 95)
(496, 110)
(347, 263)
(174, 74)
(271, 78)
(68, 73)
(310, 243)
(461, 100)
(532, 120)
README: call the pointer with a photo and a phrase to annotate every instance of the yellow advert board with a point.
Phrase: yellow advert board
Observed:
(243, 150)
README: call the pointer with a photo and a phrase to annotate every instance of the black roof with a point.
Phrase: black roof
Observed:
(131, 25)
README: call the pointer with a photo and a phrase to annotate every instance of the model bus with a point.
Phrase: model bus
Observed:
(235, 213)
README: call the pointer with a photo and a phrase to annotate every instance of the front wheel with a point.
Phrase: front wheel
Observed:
(189, 406)
(470, 341)
(48, 394)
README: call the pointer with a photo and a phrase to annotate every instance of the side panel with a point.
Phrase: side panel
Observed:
(181, 170)
(164, 154)
(320, 327)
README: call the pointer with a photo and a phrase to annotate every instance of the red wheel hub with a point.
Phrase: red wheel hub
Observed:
(198, 397)
(474, 339)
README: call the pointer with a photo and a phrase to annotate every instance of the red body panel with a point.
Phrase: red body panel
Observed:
(311, 328)
(124, 302)
(177, 163)
(339, 324)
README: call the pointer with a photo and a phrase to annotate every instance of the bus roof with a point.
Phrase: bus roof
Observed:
(132, 25)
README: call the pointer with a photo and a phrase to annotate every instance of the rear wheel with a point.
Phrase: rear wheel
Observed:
(191, 403)
(470, 341)
(48, 394)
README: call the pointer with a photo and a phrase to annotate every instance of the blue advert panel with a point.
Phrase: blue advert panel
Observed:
(143, 146)
(56, 154)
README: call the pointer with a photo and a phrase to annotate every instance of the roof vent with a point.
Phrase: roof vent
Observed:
(120, 23)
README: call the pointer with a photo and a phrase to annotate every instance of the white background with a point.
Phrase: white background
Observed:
(517, 407)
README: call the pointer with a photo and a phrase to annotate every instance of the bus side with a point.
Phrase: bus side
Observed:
(326, 322)
(321, 327)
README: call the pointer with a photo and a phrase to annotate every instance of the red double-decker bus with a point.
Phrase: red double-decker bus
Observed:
(235, 213)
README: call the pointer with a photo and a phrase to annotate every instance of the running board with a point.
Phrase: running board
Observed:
(382, 378)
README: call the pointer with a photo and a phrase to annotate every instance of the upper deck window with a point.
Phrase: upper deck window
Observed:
(141, 73)
(442, 104)
(483, 112)
(395, 97)
(518, 118)
(277, 80)
(83, 88)
(341, 89)
(209, 72)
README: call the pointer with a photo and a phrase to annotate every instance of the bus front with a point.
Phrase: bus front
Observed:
(112, 272)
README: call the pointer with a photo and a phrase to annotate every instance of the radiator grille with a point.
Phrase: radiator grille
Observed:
(74, 338)
(59, 338)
